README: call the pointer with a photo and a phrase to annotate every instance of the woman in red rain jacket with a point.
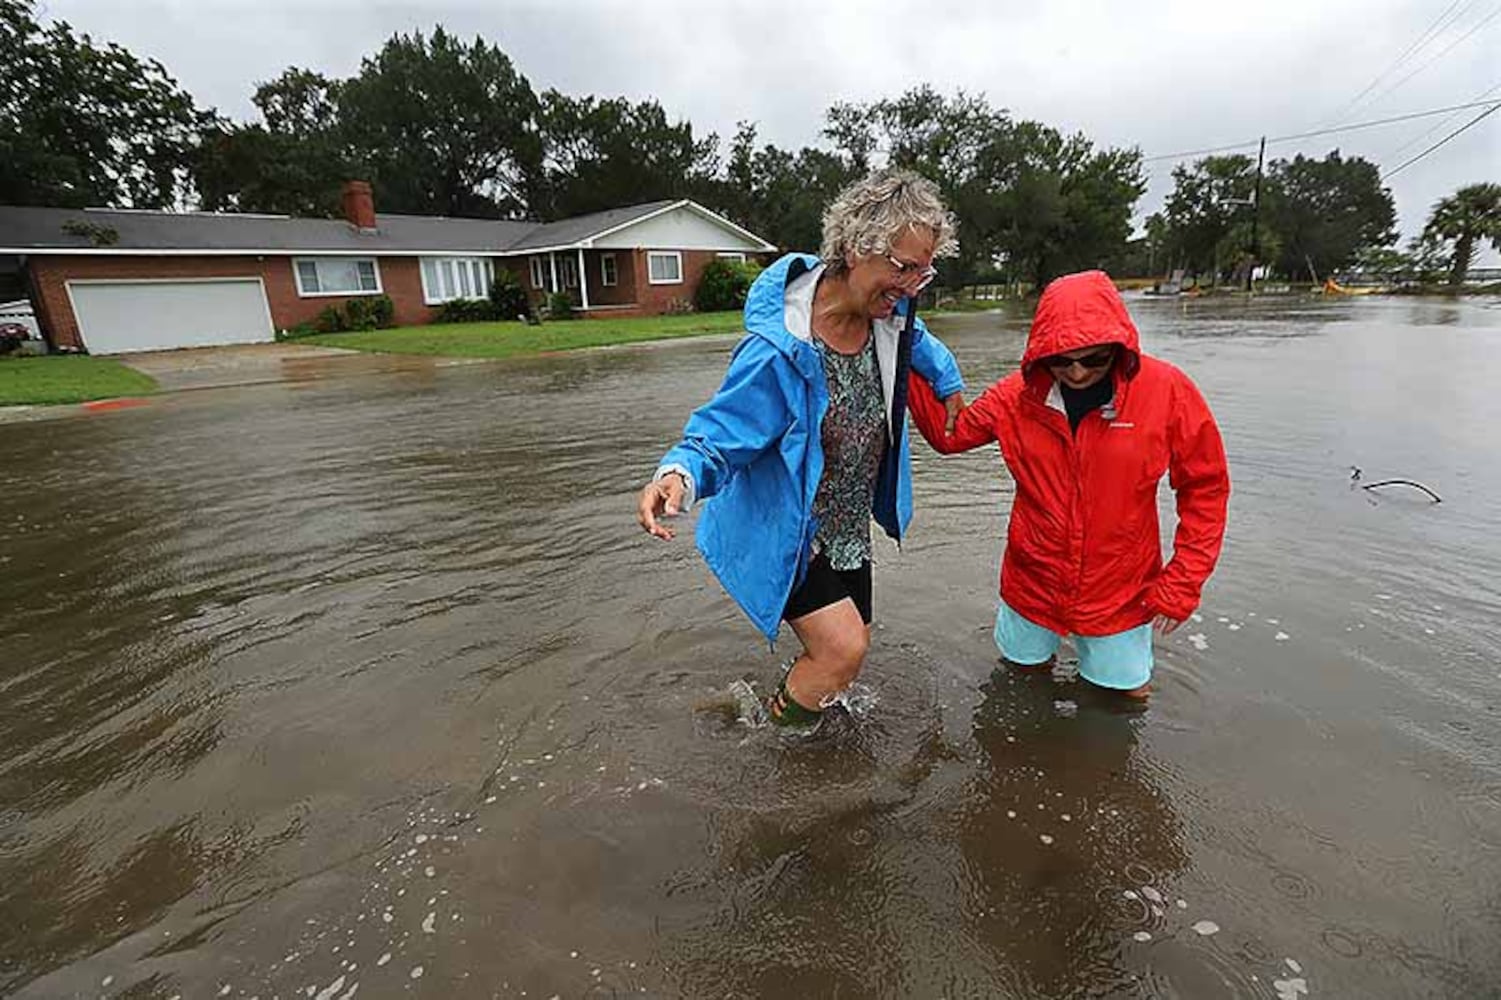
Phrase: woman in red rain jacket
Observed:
(1088, 428)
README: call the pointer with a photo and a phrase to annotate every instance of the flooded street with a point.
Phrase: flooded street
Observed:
(373, 684)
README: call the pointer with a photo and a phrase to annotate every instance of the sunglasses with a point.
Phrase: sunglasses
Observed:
(1099, 359)
(913, 276)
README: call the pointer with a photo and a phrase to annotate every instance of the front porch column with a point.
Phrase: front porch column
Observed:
(583, 281)
(552, 262)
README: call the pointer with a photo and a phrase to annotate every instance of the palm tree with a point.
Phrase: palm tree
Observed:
(1467, 217)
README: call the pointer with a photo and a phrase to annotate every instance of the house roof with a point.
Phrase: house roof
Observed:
(129, 231)
(579, 229)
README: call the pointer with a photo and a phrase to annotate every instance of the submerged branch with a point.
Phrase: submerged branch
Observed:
(1402, 482)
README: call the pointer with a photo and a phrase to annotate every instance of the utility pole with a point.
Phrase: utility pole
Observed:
(1255, 219)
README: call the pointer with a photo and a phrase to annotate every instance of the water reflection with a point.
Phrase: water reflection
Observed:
(817, 887)
(1069, 845)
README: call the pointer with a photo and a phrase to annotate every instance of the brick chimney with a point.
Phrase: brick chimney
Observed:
(359, 205)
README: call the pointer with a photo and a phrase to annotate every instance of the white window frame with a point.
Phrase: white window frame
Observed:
(539, 273)
(568, 272)
(303, 293)
(451, 274)
(611, 277)
(738, 256)
(676, 257)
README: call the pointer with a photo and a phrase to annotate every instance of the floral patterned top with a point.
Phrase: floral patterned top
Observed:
(854, 440)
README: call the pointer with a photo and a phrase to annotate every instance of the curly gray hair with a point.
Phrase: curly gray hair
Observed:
(874, 212)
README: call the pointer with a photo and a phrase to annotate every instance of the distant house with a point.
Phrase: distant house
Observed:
(108, 281)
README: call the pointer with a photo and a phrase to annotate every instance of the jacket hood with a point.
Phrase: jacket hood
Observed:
(765, 303)
(1078, 311)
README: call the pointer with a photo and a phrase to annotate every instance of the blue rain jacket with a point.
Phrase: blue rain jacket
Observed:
(755, 455)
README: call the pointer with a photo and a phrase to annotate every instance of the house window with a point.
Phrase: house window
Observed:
(447, 278)
(337, 276)
(664, 267)
(608, 274)
(539, 276)
(733, 255)
(570, 269)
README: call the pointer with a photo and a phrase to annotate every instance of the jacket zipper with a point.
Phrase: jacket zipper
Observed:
(1058, 424)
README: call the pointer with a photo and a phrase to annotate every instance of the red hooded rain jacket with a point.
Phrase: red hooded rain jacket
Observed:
(1083, 553)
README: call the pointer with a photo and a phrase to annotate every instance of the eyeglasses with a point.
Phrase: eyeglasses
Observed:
(1099, 359)
(913, 276)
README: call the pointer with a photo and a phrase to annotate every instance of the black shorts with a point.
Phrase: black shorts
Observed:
(824, 585)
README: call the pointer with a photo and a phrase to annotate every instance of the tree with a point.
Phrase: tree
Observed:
(778, 194)
(444, 128)
(249, 168)
(605, 153)
(1326, 212)
(1025, 194)
(732, 195)
(1208, 199)
(1235, 248)
(299, 103)
(942, 138)
(1461, 222)
(850, 129)
(293, 162)
(88, 124)
(1158, 244)
(1100, 189)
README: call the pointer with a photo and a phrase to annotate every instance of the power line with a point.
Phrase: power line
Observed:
(1473, 121)
(1437, 125)
(1442, 52)
(1438, 23)
(1492, 104)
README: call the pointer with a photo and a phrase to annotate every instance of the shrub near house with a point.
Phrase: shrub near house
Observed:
(724, 285)
(376, 313)
(507, 300)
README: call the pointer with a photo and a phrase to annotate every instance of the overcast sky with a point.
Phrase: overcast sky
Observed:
(1165, 77)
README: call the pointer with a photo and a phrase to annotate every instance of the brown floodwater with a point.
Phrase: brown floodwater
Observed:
(372, 684)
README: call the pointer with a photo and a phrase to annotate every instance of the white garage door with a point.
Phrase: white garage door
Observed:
(119, 316)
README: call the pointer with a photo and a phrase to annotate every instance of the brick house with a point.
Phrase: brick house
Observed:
(108, 281)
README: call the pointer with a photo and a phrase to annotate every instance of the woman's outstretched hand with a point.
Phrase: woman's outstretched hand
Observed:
(660, 499)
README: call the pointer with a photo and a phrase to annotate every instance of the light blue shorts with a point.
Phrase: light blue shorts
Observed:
(1122, 661)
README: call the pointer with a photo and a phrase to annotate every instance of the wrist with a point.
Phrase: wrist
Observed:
(685, 480)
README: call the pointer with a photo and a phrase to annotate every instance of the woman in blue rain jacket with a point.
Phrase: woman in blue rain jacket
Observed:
(806, 440)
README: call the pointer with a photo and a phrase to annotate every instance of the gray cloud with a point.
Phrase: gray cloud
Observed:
(1166, 77)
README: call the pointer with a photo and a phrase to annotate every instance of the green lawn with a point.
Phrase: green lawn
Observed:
(68, 379)
(504, 340)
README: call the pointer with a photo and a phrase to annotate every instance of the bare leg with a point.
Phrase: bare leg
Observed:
(835, 642)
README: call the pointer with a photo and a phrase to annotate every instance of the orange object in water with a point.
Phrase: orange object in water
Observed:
(124, 402)
(1332, 287)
